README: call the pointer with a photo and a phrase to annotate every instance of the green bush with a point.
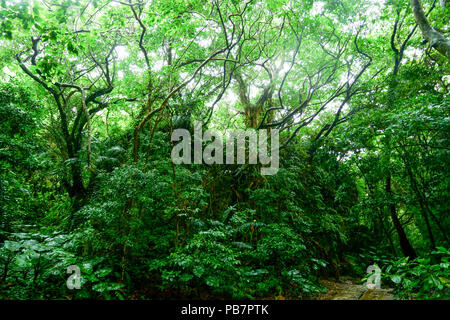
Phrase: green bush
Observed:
(422, 278)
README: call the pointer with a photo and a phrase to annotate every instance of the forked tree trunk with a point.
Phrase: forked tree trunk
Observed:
(435, 39)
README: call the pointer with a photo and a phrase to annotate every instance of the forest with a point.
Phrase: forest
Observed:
(93, 206)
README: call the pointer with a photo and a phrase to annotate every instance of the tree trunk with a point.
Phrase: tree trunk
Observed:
(253, 112)
(436, 40)
(405, 245)
(386, 232)
(422, 205)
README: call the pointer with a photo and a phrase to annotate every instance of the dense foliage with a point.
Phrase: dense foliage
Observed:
(91, 91)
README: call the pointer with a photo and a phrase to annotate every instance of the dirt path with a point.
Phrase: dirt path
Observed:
(351, 289)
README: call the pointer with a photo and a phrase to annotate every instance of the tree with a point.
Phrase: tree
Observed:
(434, 38)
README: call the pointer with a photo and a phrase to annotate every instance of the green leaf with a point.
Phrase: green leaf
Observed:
(103, 272)
(107, 286)
(396, 279)
(198, 271)
(186, 277)
(212, 281)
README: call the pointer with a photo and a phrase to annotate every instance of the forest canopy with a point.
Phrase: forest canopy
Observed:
(91, 92)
